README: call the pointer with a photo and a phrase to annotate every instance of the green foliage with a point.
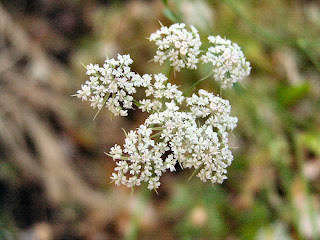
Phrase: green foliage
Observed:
(290, 95)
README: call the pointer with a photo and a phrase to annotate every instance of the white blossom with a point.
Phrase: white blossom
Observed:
(110, 85)
(228, 62)
(203, 146)
(190, 131)
(177, 44)
(158, 89)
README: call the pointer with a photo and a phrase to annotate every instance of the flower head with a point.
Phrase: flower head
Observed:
(157, 90)
(177, 44)
(190, 131)
(111, 85)
(228, 61)
(193, 145)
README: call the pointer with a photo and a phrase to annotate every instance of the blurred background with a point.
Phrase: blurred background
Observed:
(54, 175)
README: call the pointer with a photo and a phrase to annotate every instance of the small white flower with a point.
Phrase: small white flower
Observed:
(171, 162)
(92, 69)
(116, 151)
(153, 183)
(84, 93)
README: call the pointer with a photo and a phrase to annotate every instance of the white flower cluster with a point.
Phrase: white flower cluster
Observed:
(110, 85)
(190, 131)
(228, 61)
(177, 44)
(206, 104)
(158, 90)
(203, 147)
(182, 48)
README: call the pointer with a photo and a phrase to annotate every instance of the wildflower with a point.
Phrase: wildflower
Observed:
(177, 44)
(84, 93)
(228, 61)
(111, 85)
(203, 147)
(158, 89)
(192, 131)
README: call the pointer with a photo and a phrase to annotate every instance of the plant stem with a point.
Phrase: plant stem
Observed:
(103, 103)
(196, 84)
(194, 172)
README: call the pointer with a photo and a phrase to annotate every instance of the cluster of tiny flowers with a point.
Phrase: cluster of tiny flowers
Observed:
(110, 85)
(156, 91)
(215, 108)
(204, 148)
(191, 131)
(228, 61)
(177, 44)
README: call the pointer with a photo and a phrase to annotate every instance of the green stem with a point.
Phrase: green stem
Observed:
(194, 172)
(136, 103)
(157, 128)
(103, 103)
(170, 71)
(155, 135)
(196, 84)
